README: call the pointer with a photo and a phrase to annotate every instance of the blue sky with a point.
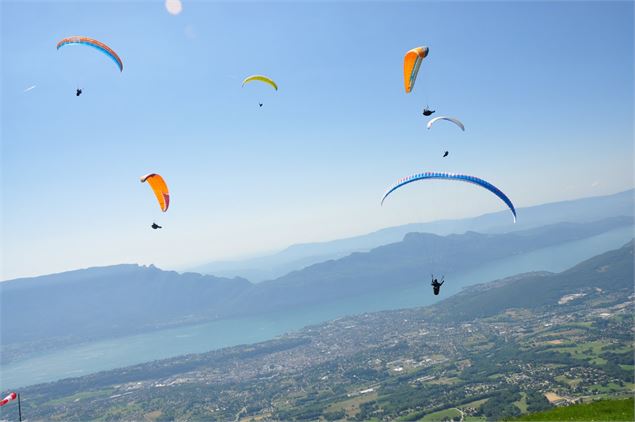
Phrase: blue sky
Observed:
(545, 91)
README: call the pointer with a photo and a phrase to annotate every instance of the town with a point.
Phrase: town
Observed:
(406, 363)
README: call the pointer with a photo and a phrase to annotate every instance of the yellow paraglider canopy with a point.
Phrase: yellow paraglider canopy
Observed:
(411, 62)
(160, 189)
(260, 78)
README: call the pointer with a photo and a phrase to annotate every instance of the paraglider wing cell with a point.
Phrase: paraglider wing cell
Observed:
(452, 176)
(411, 63)
(260, 78)
(160, 189)
(449, 119)
(79, 40)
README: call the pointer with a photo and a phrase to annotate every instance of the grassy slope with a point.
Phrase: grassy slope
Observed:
(603, 410)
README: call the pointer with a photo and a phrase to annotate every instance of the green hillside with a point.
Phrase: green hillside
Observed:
(610, 271)
(603, 410)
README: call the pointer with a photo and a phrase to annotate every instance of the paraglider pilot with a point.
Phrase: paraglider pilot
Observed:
(445, 154)
(436, 286)
(156, 226)
(427, 111)
(78, 92)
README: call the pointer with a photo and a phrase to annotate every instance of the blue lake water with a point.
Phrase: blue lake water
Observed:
(98, 356)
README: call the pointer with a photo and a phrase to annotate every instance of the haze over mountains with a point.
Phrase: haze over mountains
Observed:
(299, 256)
(83, 305)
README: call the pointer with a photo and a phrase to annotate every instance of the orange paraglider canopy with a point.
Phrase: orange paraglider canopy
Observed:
(411, 62)
(160, 189)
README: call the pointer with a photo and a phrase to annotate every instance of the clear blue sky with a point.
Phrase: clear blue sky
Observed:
(545, 91)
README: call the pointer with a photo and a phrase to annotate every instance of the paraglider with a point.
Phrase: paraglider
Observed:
(445, 154)
(427, 111)
(450, 119)
(260, 78)
(436, 286)
(160, 189)
(452, 176)
(8, 399)
(80, 40)
(411, 63)
(78, 92)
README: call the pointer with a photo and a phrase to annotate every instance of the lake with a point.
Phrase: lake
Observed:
(103, 355)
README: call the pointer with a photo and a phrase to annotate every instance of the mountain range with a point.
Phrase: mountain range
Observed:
(295, 257)
(84, 305)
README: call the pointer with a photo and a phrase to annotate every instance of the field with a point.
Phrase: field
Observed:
(586, 351)
(603, 410)
(445, 414)
(522, 403)
(351, 406)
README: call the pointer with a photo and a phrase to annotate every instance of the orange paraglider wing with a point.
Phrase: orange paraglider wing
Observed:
(160, 189)
(411, 62)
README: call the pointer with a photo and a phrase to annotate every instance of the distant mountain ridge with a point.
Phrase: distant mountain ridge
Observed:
(299, 256)
(84, 305)
(94, 303)
(403, 263)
